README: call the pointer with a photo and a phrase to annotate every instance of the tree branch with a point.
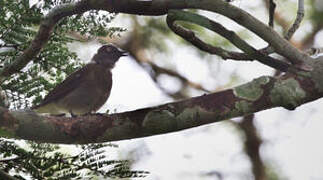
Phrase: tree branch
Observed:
(43, 35)
(252, 146)
(243, 18)
(297, 22)
(175, 15)
(266, 92)
(160, 7)
(272, 7)
(156, 7)
(277, 16)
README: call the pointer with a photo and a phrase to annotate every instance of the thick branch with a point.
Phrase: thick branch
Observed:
(139, 7)
(262, 93)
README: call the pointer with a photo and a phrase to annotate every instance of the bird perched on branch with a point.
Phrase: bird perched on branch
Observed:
(85, 90)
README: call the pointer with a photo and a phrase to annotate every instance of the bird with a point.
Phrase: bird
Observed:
(87, 89)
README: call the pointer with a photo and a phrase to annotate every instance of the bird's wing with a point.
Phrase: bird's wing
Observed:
(67, 86)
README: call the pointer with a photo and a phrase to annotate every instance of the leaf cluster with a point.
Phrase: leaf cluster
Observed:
(18, 25)
(44, 161)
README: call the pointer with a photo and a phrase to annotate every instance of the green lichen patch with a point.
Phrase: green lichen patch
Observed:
(243, 106)
(253, 90)
(33, 127)
(195, 116)
(159, 121)
(287, 93)
(317, 74)
(125, 131)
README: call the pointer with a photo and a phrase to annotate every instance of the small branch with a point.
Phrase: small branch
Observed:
(156, 7)
(297, 22)
(43, 35)
(277, 17)
(280, 45)
(175, 15)
(281, 21)
(272, 7)
(224, 54)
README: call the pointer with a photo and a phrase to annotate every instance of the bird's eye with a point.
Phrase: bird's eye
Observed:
(108, 49)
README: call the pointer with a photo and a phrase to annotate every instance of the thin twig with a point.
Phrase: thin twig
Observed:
(297, 22)
(278, 18)
(272, 7)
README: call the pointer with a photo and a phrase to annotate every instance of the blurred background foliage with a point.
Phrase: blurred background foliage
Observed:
(151, 45)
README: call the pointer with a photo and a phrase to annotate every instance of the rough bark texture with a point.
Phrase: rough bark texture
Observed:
(288, 91)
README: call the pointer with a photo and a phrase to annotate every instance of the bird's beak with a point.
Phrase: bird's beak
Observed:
(124, 53)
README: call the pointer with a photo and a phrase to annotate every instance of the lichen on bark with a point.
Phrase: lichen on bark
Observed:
(317, 74)
(253, 90)
(242, 106)
(32, 125)
(287, 93)
(157, 121)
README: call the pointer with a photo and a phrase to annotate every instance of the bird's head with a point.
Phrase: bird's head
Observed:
(108, 55)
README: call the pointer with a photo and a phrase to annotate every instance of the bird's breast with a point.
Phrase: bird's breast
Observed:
(91, 93)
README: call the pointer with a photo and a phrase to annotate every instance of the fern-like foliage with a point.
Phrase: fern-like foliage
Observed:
(18, 25)
(44, 161)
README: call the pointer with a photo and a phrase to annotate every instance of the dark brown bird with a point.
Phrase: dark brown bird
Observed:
(85, 90)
